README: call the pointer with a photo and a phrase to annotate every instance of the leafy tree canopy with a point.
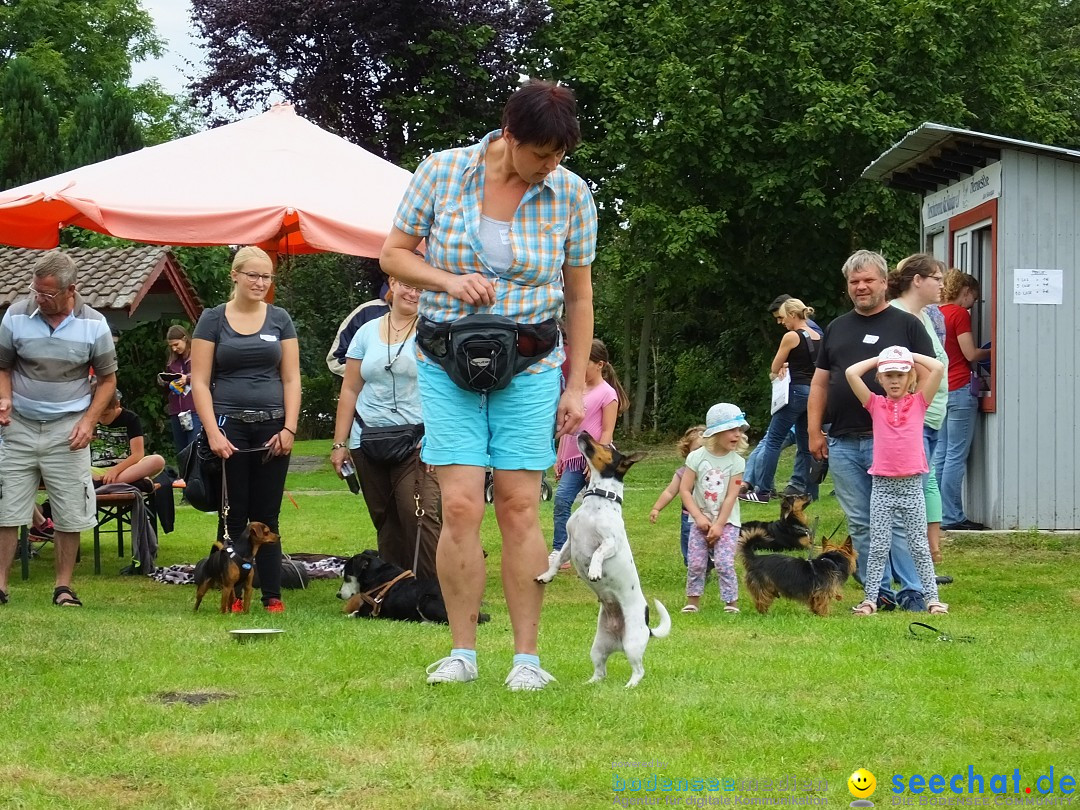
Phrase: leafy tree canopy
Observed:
(399, 77)
(29, 128)
(726, 141)
(102, 126)
(77, 45)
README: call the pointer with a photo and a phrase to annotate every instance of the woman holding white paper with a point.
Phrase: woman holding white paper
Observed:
(794, 361)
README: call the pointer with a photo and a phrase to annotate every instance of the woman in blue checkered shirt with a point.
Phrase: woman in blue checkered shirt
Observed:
(509, 231)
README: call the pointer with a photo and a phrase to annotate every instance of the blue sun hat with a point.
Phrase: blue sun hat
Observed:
(723, 416)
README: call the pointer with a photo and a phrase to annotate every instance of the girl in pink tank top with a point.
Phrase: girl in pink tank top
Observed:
(899, 463)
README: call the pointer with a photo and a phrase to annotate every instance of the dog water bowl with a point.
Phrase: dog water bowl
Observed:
(253, 634)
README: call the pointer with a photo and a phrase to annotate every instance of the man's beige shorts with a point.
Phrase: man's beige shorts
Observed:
(33, 451)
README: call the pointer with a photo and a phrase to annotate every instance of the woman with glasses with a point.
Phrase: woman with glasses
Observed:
(380, 401)
(245, 381)
(914, 285)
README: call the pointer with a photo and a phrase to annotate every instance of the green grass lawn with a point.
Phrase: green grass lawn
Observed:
(335, 712)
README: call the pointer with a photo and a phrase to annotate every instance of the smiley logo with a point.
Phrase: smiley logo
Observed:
(862, 784)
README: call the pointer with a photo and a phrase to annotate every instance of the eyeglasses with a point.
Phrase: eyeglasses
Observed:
(409, 287)
(938, 279)
(46, 296)
(266, 278)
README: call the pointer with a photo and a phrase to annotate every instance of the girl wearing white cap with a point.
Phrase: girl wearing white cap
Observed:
(710, 493)
(899, 462)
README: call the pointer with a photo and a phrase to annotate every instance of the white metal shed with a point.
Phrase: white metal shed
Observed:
(1005, 211)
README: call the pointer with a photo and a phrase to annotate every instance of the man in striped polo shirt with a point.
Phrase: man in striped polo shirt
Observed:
(48, 344)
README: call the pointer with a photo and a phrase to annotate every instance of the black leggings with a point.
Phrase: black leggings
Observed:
(255, 484)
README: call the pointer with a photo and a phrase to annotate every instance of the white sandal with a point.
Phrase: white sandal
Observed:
(865, 608)
(937, 608)
(690, 609)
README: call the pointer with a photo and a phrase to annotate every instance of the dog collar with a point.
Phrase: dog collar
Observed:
(603, 493)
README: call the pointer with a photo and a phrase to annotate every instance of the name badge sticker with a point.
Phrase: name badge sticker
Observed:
(273, 338)
(871, 339)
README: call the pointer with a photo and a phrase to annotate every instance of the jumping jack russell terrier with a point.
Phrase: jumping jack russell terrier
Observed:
(601, 555)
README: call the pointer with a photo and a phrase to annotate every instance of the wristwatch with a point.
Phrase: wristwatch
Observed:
(336, 445)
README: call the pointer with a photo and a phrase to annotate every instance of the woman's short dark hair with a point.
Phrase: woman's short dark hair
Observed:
(543, 114)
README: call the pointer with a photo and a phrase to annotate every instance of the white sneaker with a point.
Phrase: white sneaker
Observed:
(452, 669)
(527, 678)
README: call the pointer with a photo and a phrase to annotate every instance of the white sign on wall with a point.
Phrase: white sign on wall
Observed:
(963, 195)
(1037, 286)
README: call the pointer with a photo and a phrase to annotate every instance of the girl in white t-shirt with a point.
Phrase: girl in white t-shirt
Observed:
(710, 493)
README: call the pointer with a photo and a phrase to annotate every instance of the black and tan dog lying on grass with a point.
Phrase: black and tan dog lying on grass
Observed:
(377, 589)
(598, 547)
(232, 564)
(817, 582)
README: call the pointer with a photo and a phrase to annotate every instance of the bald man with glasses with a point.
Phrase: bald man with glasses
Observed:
(48, 343)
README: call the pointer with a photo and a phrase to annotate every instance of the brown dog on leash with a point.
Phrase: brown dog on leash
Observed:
(232, 564)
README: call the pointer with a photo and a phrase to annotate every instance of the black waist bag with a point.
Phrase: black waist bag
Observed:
(482, 353)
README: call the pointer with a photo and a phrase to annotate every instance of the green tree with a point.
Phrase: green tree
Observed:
(726, 141)
(319, 291)
(102, 126)
(161, 116)
(77, 45)
(29, 127)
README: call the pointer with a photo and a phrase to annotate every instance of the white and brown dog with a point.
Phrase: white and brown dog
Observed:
(600, 552)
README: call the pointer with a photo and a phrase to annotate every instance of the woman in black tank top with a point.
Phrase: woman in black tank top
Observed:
(794, 359)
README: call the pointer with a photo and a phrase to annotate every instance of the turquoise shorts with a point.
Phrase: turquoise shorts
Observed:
(510, 429)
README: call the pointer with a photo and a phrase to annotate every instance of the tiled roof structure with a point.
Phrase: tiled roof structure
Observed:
(109, 278)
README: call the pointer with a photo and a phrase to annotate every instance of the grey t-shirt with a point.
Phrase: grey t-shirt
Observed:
(247, 373)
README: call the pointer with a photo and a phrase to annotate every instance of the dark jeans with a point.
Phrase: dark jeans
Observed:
(390, 493)
(255, 484)
(182, 438)
(791, 415)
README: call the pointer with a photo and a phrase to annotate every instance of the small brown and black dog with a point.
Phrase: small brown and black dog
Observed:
(232, 565)
(790, 533)
(817, 582)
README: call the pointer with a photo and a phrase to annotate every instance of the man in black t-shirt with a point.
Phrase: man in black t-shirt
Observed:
(857, 335)
(117, 451)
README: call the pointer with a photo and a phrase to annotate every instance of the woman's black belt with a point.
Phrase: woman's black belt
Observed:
(255, 416)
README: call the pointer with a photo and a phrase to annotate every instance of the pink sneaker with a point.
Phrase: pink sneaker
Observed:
(237, 606)
(275, 606)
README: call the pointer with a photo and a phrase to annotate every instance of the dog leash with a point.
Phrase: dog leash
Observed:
(919, 635)
(419, 511)
(375, 596)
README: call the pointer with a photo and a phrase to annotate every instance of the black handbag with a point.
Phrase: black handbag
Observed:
(391, 444)
(201, 471)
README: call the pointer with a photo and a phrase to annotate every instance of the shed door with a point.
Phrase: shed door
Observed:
(973, 252)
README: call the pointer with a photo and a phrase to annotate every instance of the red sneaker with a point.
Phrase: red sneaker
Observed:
(275, 606)
(238, 606)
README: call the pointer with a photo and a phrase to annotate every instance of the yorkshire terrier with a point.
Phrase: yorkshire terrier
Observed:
(817, 582)
(789, 533)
